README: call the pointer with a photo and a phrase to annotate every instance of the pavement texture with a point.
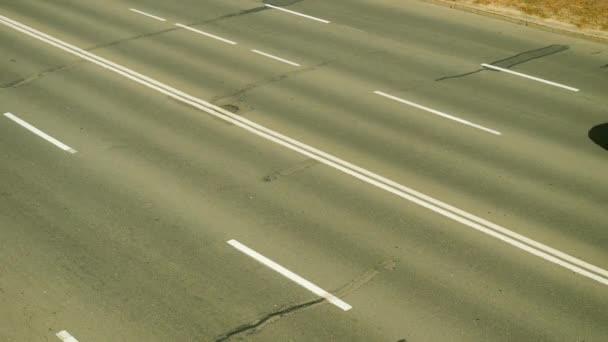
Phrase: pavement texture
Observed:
(126, 239)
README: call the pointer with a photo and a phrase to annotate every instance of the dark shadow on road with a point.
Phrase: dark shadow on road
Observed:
(599, 135)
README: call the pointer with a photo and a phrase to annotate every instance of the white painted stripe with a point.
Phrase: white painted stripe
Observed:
(298, 13)
(275, 57)
(436, 112)
(40, 133)
(206, 34)
(147, 14)
(65, 336)
(529, 77)
(291, 276)
(531, 246)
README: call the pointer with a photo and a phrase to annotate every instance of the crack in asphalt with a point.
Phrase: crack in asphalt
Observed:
(283, 76)
(353, 285)
(276, 78)
(156, 33)
(128, 39)
(517, 59)
(269, 317)
(461, 75)
(37, 76)
(366, 277)
(298, 167)
(230, 15)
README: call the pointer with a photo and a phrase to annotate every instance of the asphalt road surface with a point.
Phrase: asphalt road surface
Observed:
(343, 170)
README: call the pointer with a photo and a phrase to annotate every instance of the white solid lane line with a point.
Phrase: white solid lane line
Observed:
(436, 112)
(529, 77)
(290, 275)
(65, 336)
(147, 14)
(543, 251)
(298, 13)
(275, 58)
(206, 34)
(40, 133)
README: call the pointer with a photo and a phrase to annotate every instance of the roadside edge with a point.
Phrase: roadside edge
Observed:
(519, 21)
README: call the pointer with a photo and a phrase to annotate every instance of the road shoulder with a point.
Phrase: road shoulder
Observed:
(526, 20)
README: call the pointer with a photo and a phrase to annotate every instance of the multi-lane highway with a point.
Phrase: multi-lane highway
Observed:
(361, 170)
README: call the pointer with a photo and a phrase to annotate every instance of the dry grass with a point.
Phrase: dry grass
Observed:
(592, 14)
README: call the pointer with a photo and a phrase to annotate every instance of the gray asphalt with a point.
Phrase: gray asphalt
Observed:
(125, 240)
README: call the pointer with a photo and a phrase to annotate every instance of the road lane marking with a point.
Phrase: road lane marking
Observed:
(436, 112)
(147, 14)
(65, 336)
(206, 34)
(298, 13)
(40, 133)
(290, 275)
(514, 239)
(275, 57)
(529, 77)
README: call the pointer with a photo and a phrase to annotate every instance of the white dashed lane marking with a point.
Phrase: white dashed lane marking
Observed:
(290, 275)
(147, 14)
(40, 133)
(489, 66)
(298, 14)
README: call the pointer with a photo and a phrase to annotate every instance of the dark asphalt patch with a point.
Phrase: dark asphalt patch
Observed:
(529, 55)
(230, 107)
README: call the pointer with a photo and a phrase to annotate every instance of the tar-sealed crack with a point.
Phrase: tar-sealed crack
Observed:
(258, 324)
(366, 277)
(36, 76)
(301, 166)
(128, 39)
(529, 55)
(517, 59)
(461, 75)
(230, 15)
(277, 78)
(283, 76)
(353, 285)
(156, 33)
(240, 13)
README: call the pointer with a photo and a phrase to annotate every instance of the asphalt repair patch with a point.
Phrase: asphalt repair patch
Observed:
(529, 55)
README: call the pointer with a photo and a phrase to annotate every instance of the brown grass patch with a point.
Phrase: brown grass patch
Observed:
(591, 14)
